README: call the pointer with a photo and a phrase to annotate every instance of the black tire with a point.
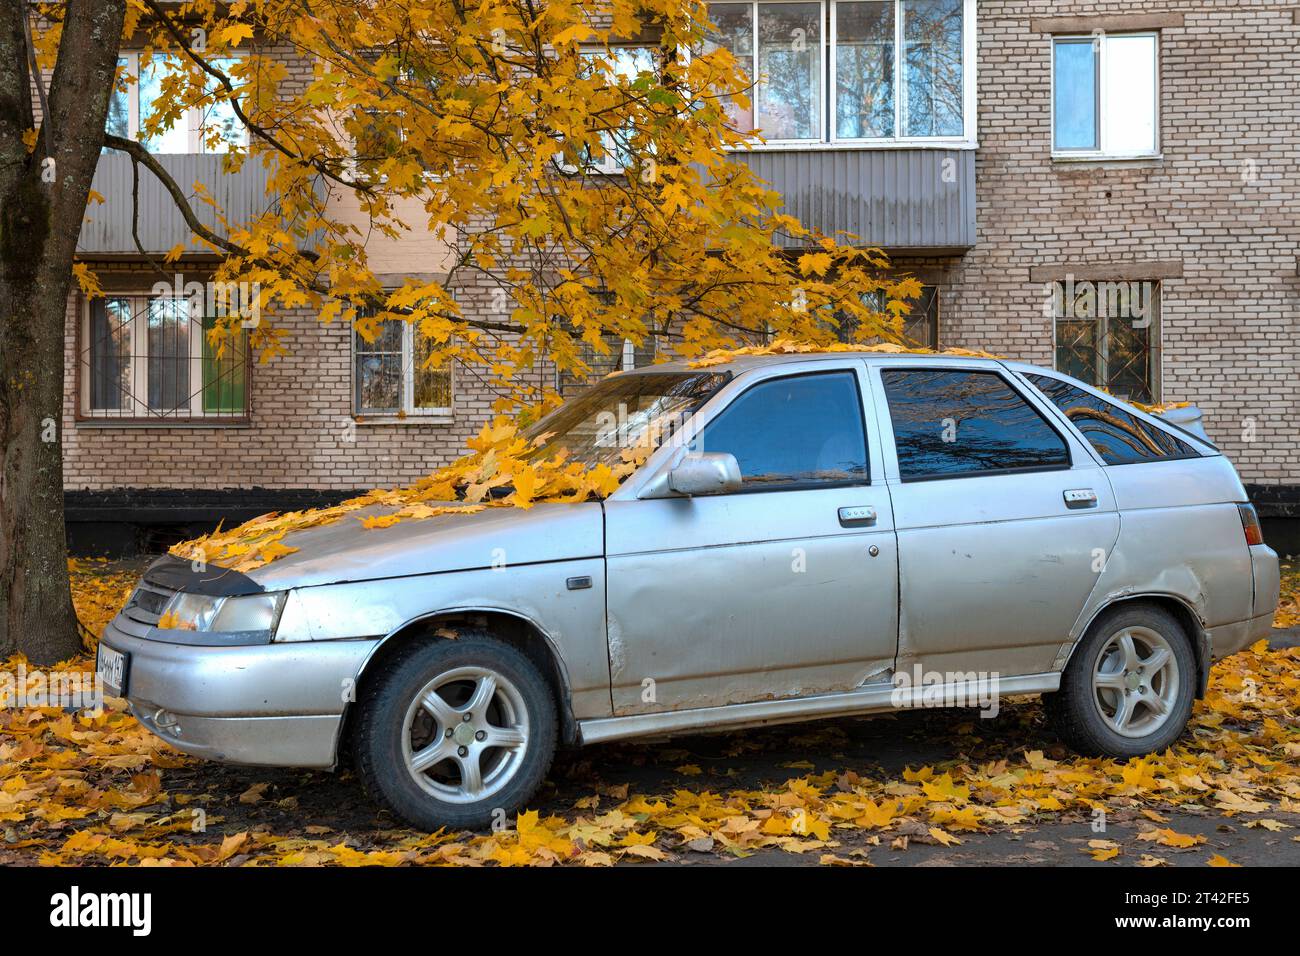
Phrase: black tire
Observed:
(388, 699)
(1075, 710)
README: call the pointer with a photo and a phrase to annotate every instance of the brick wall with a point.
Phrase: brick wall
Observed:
(301, 432)
(1230, 103)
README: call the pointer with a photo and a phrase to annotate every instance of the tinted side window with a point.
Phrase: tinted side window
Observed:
(1120, 438)
(954, 422)
(791, 431)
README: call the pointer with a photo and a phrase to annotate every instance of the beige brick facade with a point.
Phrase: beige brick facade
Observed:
(1218, 215)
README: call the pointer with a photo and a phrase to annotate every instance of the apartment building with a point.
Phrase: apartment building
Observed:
(1108, 188)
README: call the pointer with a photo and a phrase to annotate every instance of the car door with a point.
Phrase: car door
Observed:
(1004, 519)
(785, 588)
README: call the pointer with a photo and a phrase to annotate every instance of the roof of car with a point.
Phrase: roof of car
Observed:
(745, 362)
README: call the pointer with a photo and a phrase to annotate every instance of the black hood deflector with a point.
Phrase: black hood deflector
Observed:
(178, 574)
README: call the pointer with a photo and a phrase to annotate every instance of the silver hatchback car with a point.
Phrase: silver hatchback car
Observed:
(811, 535)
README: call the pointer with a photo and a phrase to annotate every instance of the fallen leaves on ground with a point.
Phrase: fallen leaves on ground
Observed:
(1168, 837)
(99, 589)
(92, 788)
(1288, 609)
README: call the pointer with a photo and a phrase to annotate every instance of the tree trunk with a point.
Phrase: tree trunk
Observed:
(43, 197)
(36, 615)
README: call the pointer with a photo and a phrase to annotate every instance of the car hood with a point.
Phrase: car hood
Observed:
(345, 550)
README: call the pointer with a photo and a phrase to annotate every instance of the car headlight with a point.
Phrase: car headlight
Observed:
(199, 612)
(252, 612)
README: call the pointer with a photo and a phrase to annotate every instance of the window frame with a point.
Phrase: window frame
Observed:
(407, 412)
(829, 139)
(354, 163)
(1155, 343)
(139, 414)
(1027, 393)
(192, 116)
(1101, 154)
(650, 480)
(608, 164)
(968, 92)
(820, 115)
(730, 399)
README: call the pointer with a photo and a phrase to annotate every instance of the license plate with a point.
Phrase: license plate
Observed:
(111, 666)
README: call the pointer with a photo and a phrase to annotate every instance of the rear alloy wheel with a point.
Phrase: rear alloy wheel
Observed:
(1128, 688)
(456, 733)
(1135, 682)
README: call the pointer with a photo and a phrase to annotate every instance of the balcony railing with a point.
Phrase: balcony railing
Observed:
(240, 195)
(897, 198)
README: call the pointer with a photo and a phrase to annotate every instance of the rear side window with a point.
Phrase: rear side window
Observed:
(793, 432)
(1119, 437)
(951, 422)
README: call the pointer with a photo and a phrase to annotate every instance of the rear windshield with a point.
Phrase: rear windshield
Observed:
(1118, 436)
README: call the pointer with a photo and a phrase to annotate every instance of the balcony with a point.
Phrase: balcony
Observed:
(899, 198)
(107, 232)
(916, 200)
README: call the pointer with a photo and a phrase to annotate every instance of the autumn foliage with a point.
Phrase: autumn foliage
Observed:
(493, 126)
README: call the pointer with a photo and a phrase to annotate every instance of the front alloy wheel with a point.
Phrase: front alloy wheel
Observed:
(466, 734)
(455, 733)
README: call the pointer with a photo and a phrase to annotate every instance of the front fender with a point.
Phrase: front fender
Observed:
(572, 621)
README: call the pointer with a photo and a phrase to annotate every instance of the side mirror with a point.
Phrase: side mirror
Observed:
(705, 473)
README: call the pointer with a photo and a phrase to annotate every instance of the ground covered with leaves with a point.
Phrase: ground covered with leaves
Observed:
(80, 789)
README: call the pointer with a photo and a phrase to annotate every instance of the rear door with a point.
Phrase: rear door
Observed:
(1004, 519)
(786, 588)
(1181, 529)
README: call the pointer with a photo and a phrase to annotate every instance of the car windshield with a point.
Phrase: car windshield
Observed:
(635, 411)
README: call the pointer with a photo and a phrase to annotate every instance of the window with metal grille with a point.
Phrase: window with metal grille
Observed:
(393, 374)
(150, 359)
(920, 323)
(622, 354)
(1108, 335)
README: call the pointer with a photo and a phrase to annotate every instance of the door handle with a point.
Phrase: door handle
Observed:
(1080, 498)
(859, 516)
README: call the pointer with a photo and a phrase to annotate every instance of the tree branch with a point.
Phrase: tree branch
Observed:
(260, 131)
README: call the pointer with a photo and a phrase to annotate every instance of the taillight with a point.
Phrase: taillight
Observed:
(1250, 524)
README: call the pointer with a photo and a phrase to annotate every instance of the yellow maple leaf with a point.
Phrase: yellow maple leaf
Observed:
(947, 839)
(875, 815)
(1167, 837)
(234, 34)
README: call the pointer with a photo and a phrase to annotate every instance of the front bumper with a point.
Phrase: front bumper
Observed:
(273, 704)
